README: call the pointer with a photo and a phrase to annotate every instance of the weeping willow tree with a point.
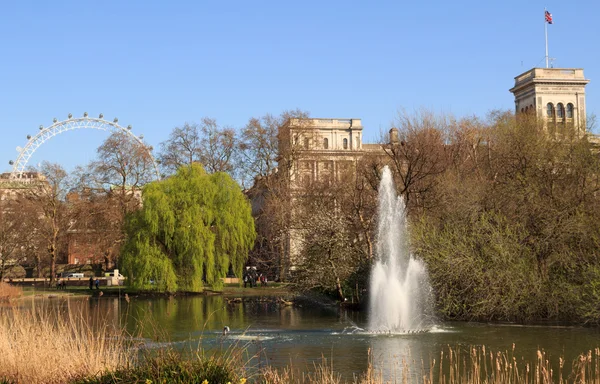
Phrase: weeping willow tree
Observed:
(192, 228)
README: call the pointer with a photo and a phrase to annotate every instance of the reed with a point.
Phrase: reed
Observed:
(9, 292)
(37, 346)
(456, 365)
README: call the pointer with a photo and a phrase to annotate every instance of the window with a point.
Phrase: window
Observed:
(522, 110)
(325, 143)
(526, 109)
(345, 143)
(560, 111)
(306, 143)
(550, 110)
(569, 111)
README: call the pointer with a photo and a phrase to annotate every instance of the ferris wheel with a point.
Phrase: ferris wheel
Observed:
(72, 123)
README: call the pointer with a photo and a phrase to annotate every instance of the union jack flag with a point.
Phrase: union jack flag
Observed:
(548, 16)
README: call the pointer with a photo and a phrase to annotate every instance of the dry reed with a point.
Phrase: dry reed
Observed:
(9, 292)
(459, 366)
(37, 346)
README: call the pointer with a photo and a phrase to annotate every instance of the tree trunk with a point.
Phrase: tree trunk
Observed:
(338, 283)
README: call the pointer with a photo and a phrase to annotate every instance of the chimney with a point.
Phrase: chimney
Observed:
(394, 136)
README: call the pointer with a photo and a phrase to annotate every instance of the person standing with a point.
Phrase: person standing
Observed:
(91, 282)
(97, 283)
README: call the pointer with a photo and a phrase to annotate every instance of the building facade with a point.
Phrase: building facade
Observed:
(556, 95)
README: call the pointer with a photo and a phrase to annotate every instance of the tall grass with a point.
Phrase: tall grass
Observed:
(37, 346)
(9, 292)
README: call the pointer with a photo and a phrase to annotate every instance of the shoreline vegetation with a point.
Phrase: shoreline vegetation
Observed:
(40, 346)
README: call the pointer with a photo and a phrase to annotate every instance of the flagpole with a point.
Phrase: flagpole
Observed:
(546, 33)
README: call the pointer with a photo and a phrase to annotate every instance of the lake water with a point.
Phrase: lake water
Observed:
(305, 333)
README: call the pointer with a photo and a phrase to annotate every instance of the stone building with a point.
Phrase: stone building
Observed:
(556, 95)
(317, 152)
(323, 149)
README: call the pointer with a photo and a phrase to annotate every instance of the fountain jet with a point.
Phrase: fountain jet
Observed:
(400, 293)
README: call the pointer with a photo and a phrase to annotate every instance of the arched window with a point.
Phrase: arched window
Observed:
(531, 108)
(522, 110)
(526, 109)
(305, 143)
(569, 111)
(345, 143)
(325, 143)
(550, 110)
(560, 111)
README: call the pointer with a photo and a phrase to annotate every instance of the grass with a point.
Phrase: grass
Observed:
(170, 367)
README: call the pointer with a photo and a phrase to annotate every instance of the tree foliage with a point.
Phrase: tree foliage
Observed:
(515, 233)
(192, 228)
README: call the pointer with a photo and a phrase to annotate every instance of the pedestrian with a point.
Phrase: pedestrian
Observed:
(91, 282)
(97, 282)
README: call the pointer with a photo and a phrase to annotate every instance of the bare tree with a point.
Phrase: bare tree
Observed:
(107, 189)
(123, 167)
(14, 232)
(269, 149)
(182, 147)
(207, 143)
(47, 204)
(418, 155)
(329, 246)
(218, 145)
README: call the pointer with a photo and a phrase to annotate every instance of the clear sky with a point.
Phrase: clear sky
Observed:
(156, 65)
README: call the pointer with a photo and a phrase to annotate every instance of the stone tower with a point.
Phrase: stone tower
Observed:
(556, 95)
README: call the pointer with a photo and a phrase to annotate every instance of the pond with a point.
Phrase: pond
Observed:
(306, 332)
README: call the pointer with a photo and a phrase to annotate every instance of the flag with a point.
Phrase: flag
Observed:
(548, 17)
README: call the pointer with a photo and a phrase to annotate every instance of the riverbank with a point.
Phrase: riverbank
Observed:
(38, 347)
(231, 290)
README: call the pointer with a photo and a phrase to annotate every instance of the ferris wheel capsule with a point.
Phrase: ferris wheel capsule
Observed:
(129, 127)
(70, 115)
(85, 114)
(101, 116)
(115, 120)
(41, 127)
(11, 162)
(55, 120)
(28, 137)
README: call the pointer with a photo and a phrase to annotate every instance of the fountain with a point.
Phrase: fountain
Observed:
(400, 293)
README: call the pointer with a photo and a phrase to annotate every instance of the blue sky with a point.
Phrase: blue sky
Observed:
(156, 65)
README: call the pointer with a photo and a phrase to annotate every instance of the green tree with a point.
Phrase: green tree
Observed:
(192, 228)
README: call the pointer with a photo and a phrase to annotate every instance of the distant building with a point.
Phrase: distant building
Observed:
(324, 149)
(12, 188)
(556, 95)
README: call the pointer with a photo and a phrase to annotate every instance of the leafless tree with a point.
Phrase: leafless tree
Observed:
(269, 149)
(46, 200)
(14, 232)
(207, 143)
(418, 155)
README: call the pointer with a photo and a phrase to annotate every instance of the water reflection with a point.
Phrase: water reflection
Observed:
(301, 336)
